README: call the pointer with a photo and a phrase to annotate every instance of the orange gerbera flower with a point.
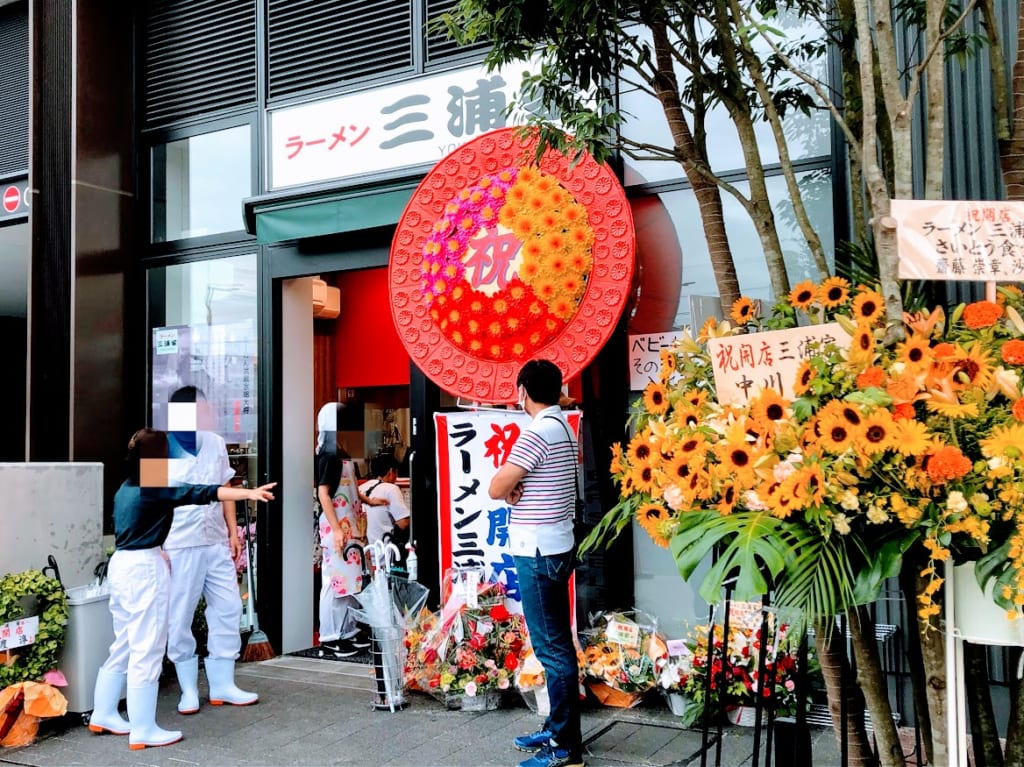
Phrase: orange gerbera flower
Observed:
(981, 314)
(1018, 409)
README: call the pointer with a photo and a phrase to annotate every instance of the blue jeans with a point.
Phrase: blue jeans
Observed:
(543, 586)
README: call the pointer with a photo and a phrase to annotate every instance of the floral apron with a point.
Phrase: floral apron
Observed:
(345, 576)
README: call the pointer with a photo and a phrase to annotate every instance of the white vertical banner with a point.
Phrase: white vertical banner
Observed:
(473, 528)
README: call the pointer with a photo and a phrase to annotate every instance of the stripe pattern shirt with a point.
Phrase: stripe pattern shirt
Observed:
(541, 523)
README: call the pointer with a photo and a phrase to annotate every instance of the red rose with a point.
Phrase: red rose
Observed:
(477, 641)
(511, 662)
(499, 613)
(430, 655)
(481, 678)
(435, 681)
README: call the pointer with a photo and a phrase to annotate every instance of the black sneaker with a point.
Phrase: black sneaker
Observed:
(341, 648)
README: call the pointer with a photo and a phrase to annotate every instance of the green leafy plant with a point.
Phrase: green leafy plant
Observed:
(46, 598)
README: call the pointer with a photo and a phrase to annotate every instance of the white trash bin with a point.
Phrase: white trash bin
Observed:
(90, 632)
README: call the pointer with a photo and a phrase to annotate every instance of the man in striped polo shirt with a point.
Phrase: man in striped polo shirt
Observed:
(538, 481)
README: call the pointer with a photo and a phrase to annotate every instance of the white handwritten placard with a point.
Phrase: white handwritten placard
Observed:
(745, 364)
(19, 633)
(960, 240)
(645, 356)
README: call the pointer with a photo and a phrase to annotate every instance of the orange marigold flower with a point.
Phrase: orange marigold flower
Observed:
(1018, 409)
(947, 463)
(982, 314)
(902, 411)
(1013, 352)
(873, 376)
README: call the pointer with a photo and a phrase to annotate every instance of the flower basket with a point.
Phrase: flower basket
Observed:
(742, 716)
(976, 617)
(611, 696)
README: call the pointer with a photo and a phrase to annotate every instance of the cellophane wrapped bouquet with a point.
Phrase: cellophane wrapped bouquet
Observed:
(472, 646)
(619, 655)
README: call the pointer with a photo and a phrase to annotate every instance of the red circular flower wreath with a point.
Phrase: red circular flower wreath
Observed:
(497, 260)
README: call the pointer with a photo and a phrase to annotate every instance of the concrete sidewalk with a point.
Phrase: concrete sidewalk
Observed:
(315, 712)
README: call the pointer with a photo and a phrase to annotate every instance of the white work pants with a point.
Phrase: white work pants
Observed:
(139, 588)
(206, 571)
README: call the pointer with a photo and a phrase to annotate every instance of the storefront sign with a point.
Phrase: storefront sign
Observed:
(416, 122)
(645, 357)
(974, 241)
(15, 199)
(473, 527)
(744, 364)
(19, 633)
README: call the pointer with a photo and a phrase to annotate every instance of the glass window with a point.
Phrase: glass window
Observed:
(199, 184)
(203, 333)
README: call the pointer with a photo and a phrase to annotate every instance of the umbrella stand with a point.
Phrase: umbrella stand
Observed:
(387, 639)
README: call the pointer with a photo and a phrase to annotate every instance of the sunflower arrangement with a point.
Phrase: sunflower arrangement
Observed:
(881, 445)
(507, 263)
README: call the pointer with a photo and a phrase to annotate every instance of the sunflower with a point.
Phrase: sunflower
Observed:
(677, 469)
(727, 499)
(915, 351)
(973, 366)
(868, 306)
(781, 499)
(878, 432)
(668, 364)
(803, 295)
(737, 457)
(804, 376)
(691, 446)
(809, 484)
(639, 450)
(643, 476)
(1006, 440)
(742, 311)
(768, 407)
(862, 345)
(836, 435)
(944, 400)
(835, 291)
(656, 398)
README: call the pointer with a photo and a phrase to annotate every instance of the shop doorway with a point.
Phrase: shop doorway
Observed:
(354, 358)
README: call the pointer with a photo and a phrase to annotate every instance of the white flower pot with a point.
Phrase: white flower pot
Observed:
(742, 716)
(977, 618)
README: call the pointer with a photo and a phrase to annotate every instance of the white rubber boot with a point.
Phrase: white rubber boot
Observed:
(220, 673)
(142, 715)
(188, 681)
(105, 698)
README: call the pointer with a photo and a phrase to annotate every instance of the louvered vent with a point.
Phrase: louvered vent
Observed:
(200, 57)
(14, 92)
(330, 43)
(439, 46)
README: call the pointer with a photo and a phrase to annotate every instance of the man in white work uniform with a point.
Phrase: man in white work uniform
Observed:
(201, 546)
(382, 520)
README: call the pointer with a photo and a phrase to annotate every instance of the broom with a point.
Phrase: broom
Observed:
(257, 647)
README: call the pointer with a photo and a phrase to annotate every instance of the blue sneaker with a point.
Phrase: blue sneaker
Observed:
(553, 756)
(533, 741)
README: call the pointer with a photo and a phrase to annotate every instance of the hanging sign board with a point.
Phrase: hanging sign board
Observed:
(471, 447)
(960, 240)
(645, 356)
(744, 364)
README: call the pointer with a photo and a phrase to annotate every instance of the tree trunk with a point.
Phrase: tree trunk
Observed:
(933, 656)
(984, 734)
(705, 188)
(843, 694)
(935, 138)
(908, 586)
(873, 684)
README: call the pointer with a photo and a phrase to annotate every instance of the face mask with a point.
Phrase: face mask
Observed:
(522, 398)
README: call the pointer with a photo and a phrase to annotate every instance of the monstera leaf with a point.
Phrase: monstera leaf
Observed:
(760, 553)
